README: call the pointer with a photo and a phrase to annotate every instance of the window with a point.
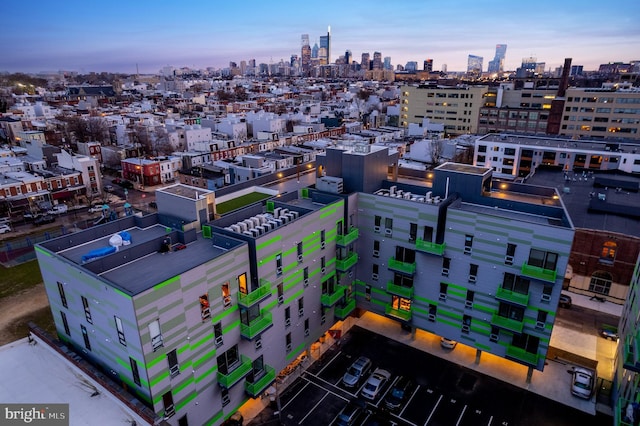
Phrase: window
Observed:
(155, 334)
(322, 239)
(468, 303)
(65, 323)
(182, 421)
(600, 282)
(306, 327)
(543, 259)
(515, 313)
(299, 251)
(287, 342)
(446, 263)
(323, 265)
(376, 248)
(85, 336)
(466, 324)
(229, 360)
(405, 255)
(427, 234)
(367, 292)
(217, 333)
(433, 310)
(224, 396)
(374, 271)
(542, 319)
(280, 293)
(287, 316)
(608, 253)
(87, 311)
(413, 231)
(473, 273)
(515, 283)
(546, 293)
(305, 276)
(134, 371)
(495, 333)
(511, 252)
(120, 330)
(205, 310)
(167, 402)
(172, 359)
(301, 306)
(468, 242)
(63, 297)
(377, 222)
(388, 225)
(226, 293)
(443, 291)
(279, 264)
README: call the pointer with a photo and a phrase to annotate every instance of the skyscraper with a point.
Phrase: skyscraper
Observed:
(377, 61)
(364, 64)
(386, 63)
(305, 54)
(474, 65)
(325, 43)
(497, 64)
(428, 65)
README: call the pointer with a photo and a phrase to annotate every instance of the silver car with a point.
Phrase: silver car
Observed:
(358, 370)
(582, 381)
(375, 383)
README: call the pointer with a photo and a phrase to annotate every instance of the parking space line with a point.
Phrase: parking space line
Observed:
(295, 396)
(328, 363)
(409, 401)
(314, 407)
(328, 390)
(434, 410)
(461, 415)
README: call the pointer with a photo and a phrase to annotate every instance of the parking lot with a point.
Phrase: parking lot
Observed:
(443, 393)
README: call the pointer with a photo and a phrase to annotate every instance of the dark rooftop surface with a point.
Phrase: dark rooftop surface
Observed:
(627, 146)
(463, 168)
(578, 191)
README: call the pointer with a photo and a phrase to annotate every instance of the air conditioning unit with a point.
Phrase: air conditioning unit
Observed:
(445, 272)
(219, 341)
(442, 297)
(281, 299)
(276, 212)
(468, 304)
(306, 332)
(323, 319)
(465, 329)
(376, 253)
(472, 278)
(545, 297)
(376, 229)
(306, 282)
(287, 322)
(374, 277)
(388, 232)
(540, 324)
(508, 260)
(432, 317)
(258, 344)
(299, 258)
(493, 337)
(323, 244)
(300, 312)
(279, 270)
(288, 347)
(174, 370)
(467, 250)
(323, 270)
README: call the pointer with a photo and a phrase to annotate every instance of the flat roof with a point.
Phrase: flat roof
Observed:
(626, 146)
(185, 191)
(36, 374)
(464, 168)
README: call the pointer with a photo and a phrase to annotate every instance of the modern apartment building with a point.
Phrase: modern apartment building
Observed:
(196, 315)
(458, 108)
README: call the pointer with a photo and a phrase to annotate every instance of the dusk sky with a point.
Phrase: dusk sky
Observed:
(84, 36)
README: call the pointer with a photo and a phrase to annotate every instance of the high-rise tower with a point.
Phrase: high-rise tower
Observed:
(325, 48)
(497, 64)
(428, 65)
(377, 61)
(305, 54)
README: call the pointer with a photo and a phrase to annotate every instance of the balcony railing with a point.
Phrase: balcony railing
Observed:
(343, 265)
(341, 312)
(430, 247)
(330, 299)
(631, 361)
(620, 411)
(398, 290)
(512, 297)
(256, 295)
(255, 388)
(348, 238)
(397, 313)
(538, 273)
(233, 377)
(520, 354)
(507, 323)
(402, 267)
(257, 326)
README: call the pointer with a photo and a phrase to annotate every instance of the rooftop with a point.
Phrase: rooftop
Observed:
(628, 147)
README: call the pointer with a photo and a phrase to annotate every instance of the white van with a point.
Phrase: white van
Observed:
(58, 209)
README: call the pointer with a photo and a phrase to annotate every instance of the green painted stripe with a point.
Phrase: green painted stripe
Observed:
(457, 293)
(182, 349)
(327, 211)
(207, 373)
(450, 314)
(42, 251)
(154, 361)
(126, 365)
(159, 378)
(177, 389)
(224, 313)
(206, 357)
(185, 401)
(166, 282)
(121, 293)
(268, 242)
(202, 341)
(214, 420)
(297, 351)
(443, 321)
(483, 347)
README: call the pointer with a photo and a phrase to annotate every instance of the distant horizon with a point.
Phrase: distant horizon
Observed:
(83, 37)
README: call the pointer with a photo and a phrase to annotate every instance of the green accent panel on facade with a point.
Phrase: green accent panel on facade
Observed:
(324, 212)
(202, 341)
(207, 373)
(483, 347)
(273, 240)
(121, 293)
(231, 326)
(380, 291)
(165, 283)
(214, 420)
(452, 324)
(328, 276)
(458, 293)
(160, 377)
(425, 301)
(206, 357)
(224, 314)
(294, 296)
(42, 251)
(178, 388)
(183, 348)
(296, 351)
(180, 405)
(450, 314)
(485, 309)
(125, 365)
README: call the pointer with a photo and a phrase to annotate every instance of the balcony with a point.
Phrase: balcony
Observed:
(631, 361)
(343, 265)
(507, 323)
(521, 355)
(619, 412)
(233, 377)
(512, 297)
(538, 273)
(256, 296)
(430, 247)
(402, 267)
(397, 313)
(257, 326)
(346, 239)
(254, 389)
(398, 290)
(330, 299)
(341, 312)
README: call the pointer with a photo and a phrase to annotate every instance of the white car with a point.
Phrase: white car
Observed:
(375, 383)
(95, 209)
(4, 228)
(582, 381)
(447, 343)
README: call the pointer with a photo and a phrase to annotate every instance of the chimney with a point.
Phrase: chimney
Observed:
(564, 81)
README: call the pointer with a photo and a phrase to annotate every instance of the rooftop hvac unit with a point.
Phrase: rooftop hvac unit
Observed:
(276, 212)
(228, 228)
(392, 190)
(284, 218)
(261, 229)
(242, 226)
(247, 233)
(235, 228)
(249, 223)
(278, 221)
(429, 194)
(254, 232)
(262, 218)
(407, 195)
(284, 211)
(255, 221)
(273, 224)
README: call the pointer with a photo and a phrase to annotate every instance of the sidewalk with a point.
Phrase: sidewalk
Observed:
(586, 302)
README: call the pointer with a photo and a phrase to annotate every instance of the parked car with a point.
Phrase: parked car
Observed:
(4, 228)
(350, 414)
(126, 184)
(5, 220)
(356, 372)
(565, 301)
(47, 218)
(95, 209)
(375, 383)
(108, 188)
(447, 343)
(58, 209)
(29, 216)
(117, 181)
(582, 381)
(399, 393)
(609, 333)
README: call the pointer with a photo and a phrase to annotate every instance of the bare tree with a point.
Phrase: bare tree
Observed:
(437, 149)
(161, 143)
(97, 129)
(142, 136)
(78, 129)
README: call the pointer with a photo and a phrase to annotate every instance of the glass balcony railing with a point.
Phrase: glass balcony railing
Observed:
(257, 326)
(343, 265)
(402, 267)
(348, 238)
(234, 376)
(520, 354)
(397, 313)
(256, 388)
(430, 247)
(631, 361)
(256, 295)
(620, 413)
(538, 273)
(330, 299)
(507, 323)
(341, 312)
(512, 297)
(398, 290)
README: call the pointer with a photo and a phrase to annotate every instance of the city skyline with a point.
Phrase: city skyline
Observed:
(124, 37)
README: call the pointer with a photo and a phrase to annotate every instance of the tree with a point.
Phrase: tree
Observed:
(77, 128)
(97, 129)
(437, 149)
(161, 143)
(142, 137)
